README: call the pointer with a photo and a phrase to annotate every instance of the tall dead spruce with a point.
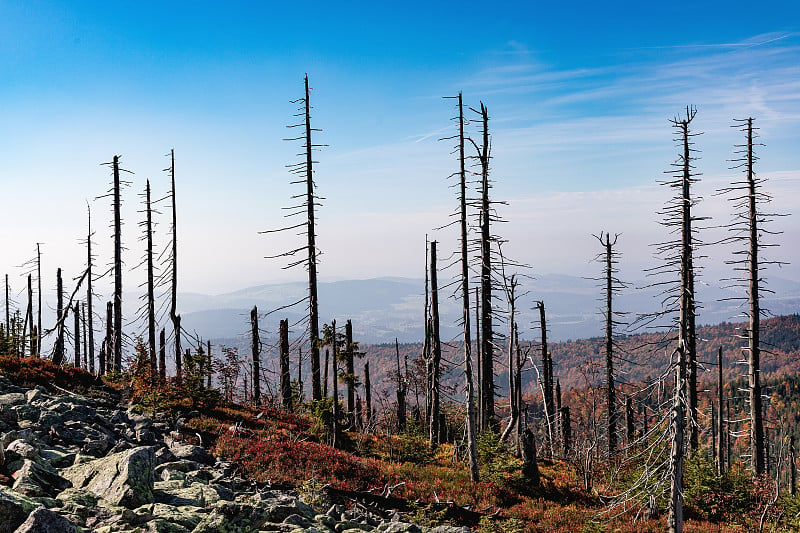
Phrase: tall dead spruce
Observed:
(472, 449)
(173, 260)
(747, 227)
(611, 286)
(305, 169)
(679, 215)
(487, 411)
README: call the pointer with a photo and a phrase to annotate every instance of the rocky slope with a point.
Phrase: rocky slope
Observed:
(72, 463)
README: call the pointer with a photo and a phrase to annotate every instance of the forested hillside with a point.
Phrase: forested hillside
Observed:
(639, 356)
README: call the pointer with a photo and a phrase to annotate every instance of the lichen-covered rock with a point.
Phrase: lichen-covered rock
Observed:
(14, 509)
(21, 449)
(124, 478)
(193, 453)
(44, 520)
(37, 480)
(398, 527)
(185, 516)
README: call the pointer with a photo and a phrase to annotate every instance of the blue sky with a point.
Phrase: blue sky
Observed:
(579, 96)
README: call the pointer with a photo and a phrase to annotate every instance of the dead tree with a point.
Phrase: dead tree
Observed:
(792, 468)
(566, 431)
(29, 319)
(747, 228)
(89, 363)
(58, 353)
(88, 316)
(8, 308)
(256, 351)
(105, 354)
(686, 369)
(721, 429)
(351, 351)
(173, 260)
(465, 316)
(402, 388)
(436, 354)
(286, 386)
(62, 312)
(367, 396)
(76, 313)
(151, 299)
(178, 356)
(305, 171)
(117, 341)
(487, 332)
(530, 466)
(39, 296)
(547, 375)
(335, 436)
(630, 423)
(611, 287)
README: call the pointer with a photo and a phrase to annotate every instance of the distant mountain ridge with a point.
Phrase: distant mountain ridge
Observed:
(383, 309)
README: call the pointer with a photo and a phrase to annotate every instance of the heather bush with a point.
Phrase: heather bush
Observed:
(265, 460)
(32, 371)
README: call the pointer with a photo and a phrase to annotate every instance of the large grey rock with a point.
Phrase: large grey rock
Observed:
(184, 515)
(14, 509)
(124, 478)
(37, 480)
(46, 521)
(13, 398)
(20, 449)
(193, 453)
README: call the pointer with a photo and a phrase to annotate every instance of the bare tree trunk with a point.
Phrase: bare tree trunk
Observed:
(76, 312)
(39, 296)
(286, 385)
(58, 354)
(89, 363)
(8, 315)
(721, 419)
(313, 305)
(88, 314)
(29, 318)
(401, 393)
(683, 386)
(435, 430)
(566, 431)
(478, 360)
(105, 354)
(335, 437)
(530, 467)
(367, 395)
(151, 298)
(349, 368)
(754, 329)
(675, 516)
(256, 351)
(487, 350)
(728, 433)
(472, 448)
(792, 468)
(173, 315)
(547, 383)
(209, 364)
(611, 408)
(117, 341)
(178, 355)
